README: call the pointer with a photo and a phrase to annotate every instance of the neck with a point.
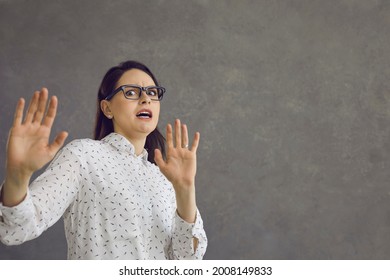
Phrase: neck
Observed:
(137, 140)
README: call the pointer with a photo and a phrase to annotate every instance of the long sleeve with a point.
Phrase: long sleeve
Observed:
(46, 200)
(183, 238)
(115, 204)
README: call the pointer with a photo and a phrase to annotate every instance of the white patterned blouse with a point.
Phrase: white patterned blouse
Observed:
(115, 205)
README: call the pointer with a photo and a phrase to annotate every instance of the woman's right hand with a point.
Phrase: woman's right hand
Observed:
(28, 147)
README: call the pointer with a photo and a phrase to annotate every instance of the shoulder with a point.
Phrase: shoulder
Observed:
(80, 144)
(82, 147)
(83, 143)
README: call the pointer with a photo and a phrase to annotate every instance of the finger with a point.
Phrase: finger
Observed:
(177, 133)
(51, 112)
(195, 143)
(158, 158)
(32, 107)
(184, 136)
(169, 136)
(58, 142)
(19, 112)
(42, 102)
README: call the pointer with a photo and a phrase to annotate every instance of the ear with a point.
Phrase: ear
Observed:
(105, 107)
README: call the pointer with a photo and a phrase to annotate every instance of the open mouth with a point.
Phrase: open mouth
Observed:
(144, 114)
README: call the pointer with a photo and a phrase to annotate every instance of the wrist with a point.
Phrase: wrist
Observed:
(185, 196)
(18, 175)
(186, 204)
(184, 191)
(19, 180)
(184, 188)
(13, 193)
(14, 189)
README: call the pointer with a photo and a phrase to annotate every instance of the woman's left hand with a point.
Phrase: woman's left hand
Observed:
(180, 164)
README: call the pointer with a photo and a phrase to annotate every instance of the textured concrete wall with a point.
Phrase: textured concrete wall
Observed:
(292, 99)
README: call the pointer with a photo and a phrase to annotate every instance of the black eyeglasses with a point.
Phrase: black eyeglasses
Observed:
(134, 92)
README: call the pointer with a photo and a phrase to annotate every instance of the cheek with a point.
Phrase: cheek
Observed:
(124, 108)
(157, 111)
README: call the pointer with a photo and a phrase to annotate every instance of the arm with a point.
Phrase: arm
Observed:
(28, 147)
(46, 200)
(180, 169)
(189, 240)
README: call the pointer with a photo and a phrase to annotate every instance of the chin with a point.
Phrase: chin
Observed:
(147, 128)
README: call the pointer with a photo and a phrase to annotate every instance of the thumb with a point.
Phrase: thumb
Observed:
(158, 158)
(58, 142)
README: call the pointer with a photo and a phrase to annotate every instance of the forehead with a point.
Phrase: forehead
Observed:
(137, 77)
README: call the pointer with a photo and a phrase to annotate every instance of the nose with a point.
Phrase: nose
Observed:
(144, 98)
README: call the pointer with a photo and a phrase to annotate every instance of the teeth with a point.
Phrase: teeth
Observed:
(144, 115)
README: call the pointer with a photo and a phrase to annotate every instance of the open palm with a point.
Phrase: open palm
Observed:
(180, 164)
(28, 146)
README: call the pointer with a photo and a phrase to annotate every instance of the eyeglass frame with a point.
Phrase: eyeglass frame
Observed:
(143, 89)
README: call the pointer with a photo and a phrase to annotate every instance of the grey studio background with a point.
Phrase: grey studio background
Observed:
(292, 99)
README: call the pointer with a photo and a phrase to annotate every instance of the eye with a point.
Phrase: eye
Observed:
(152, 92)
(130, 92)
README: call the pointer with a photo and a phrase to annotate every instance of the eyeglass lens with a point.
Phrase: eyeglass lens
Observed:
(133, 92)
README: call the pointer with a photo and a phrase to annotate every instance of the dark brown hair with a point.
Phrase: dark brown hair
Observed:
(104, 126)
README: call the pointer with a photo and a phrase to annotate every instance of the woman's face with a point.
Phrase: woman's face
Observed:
(125, 113)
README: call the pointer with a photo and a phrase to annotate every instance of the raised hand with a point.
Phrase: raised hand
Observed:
(180, 169)
(28, 147)
(180, 165)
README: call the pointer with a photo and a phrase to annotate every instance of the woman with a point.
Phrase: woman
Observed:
(116, 203)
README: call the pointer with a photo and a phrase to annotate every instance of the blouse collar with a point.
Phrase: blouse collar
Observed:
(122, 144)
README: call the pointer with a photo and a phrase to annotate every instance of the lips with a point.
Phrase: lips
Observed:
(144, 114)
